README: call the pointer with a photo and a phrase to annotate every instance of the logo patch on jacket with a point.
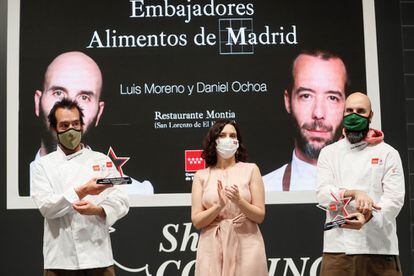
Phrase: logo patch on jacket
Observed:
(102, 167)
(376, 161)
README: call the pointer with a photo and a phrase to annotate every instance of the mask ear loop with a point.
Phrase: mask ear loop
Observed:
(237, 154)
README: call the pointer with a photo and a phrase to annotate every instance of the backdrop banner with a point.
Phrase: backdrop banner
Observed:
(169, 69)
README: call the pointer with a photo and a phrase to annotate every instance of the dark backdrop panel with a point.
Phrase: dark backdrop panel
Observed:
(392, 99)
(128, 121)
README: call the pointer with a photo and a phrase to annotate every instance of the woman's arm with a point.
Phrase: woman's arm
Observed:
(200, 216)
(254, 211)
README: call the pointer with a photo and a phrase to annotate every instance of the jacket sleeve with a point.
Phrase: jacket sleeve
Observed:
(326, 190)
(115, 202)
(393, 186)
(50, 204)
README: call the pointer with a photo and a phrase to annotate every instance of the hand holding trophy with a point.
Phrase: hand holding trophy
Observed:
(336, 211)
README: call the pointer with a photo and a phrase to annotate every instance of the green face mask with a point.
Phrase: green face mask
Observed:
(70, 138)
(355, 122)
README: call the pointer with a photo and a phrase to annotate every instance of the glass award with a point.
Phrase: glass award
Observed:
(118, 162)
(335, 211)
(115, 180)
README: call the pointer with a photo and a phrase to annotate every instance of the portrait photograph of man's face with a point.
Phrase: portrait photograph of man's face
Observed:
(75, 76)
(316, 102)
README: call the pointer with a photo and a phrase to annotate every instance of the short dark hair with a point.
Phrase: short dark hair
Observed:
(209, 144)
(65, 104)
(322, 54)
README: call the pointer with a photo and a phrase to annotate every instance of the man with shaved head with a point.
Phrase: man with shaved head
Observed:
(314, 99)
(74, 76)
(365, 169)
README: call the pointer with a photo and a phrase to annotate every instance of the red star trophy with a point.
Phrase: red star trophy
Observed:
(119, 162)
(336, 211)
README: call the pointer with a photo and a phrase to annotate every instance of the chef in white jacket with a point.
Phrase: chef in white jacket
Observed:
(75, 76)
(366, 169)
(78, 212)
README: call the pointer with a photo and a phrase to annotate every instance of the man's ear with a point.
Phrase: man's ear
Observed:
(287, 101)
(101, 106)
(370, 116)
(37, 97)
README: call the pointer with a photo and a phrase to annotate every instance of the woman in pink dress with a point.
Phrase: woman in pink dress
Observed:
(227, 204)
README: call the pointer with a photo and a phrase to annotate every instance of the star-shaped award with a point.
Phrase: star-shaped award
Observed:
(118, 161)
(336, 210)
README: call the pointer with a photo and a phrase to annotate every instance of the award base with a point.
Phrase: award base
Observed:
(334, 224)
(115, 180)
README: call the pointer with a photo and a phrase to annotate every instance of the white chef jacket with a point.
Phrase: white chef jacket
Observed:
(374, 169)
(302, 178)
(71, 240)
(135, 188)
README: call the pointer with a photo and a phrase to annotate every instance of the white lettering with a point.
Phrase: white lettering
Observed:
(231, 36)
(314, 268)
(135, 8)
(170, 238)
(292, 267)
(161, 269)
(273, 265)
(187, 236)
(95, 39)
(187, 268)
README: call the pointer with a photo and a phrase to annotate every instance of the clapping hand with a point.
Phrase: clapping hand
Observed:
(232, 193)
(220, 192)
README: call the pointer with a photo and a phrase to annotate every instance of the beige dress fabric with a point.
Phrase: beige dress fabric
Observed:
(232, 245)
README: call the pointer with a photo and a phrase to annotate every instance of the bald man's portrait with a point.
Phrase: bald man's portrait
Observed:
(76, 76)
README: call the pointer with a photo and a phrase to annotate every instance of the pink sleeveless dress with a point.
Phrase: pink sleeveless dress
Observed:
(232, 245)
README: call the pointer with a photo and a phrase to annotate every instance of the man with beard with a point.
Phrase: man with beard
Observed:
(75, 76)
(315, 101)
(77, 211)
(365, 169)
